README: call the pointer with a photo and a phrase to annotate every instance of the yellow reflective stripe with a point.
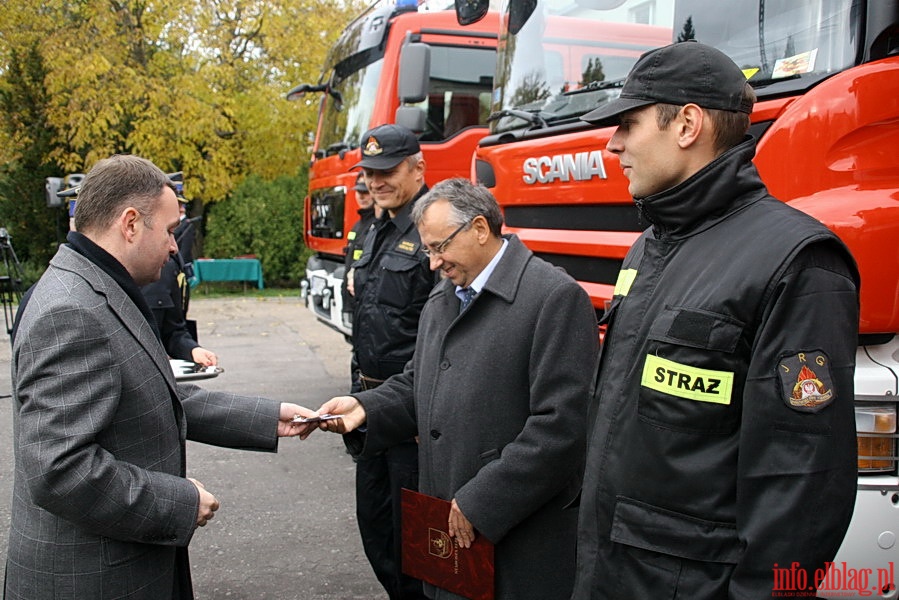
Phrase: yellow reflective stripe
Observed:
(357, 254)
(351, 236)
(688, 382)
(625, 279)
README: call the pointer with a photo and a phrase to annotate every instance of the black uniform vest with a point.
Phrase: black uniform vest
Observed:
(686, 311)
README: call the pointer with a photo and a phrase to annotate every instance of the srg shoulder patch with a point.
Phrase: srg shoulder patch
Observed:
(806, 380)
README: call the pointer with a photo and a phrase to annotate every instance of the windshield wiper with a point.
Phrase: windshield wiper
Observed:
(763, 82)
(337, 147)
(531, 118)
(595, 86)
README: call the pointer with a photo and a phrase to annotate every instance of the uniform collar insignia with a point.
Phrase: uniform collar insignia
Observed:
(407, 246)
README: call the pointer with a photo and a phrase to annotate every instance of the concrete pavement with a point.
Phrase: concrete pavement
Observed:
(287, 526)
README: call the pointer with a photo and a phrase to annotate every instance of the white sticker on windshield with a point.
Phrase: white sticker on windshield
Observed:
(795, 65)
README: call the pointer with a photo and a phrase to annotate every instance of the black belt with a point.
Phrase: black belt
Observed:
(369, 383)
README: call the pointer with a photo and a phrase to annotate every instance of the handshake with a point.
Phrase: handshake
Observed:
(338, 415)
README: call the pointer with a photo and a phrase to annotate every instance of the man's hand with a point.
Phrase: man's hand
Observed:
(208, 504)
(204, 357)
(286, 426)
(352, 414)
(460, 527)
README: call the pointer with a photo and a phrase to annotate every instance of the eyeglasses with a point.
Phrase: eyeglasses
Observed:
(440, 247)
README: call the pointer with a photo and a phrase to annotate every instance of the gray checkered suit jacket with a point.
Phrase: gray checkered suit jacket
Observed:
(101, 506)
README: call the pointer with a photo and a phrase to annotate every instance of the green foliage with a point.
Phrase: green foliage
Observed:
(34, 228)
(31, 272)
(194, 85)
(264, 218)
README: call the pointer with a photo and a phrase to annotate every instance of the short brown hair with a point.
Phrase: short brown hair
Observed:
(114, 184)
(730, 126)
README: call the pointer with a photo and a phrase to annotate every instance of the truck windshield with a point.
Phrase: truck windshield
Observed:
(459, 88)
(346, 111)
(559, 59)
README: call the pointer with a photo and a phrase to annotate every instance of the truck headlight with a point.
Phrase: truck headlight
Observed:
(875, 426)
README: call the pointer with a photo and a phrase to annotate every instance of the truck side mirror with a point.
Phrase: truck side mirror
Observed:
(519, 13)
(412, 85)
(412, 118)
(415, 73)
(471, 11)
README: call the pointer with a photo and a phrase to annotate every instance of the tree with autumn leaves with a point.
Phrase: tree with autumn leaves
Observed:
(194, 85)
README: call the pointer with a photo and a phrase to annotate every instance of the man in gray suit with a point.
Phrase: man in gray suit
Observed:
(101, 506)
(496, 392)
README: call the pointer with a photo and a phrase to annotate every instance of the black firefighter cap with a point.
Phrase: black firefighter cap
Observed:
(679, 74)
(386, 146)
(360, 184)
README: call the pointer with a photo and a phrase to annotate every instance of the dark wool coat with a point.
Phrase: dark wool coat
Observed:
(498, 397)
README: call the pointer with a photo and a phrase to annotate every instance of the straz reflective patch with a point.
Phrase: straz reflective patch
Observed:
(357, 254)
(625, 280)
(684, 381)
(351, 236)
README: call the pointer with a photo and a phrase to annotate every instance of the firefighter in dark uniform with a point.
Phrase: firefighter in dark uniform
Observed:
(185, 235)
(391, 282)
(368, 213)
(712, 461)
(168, 296)
(165, 297)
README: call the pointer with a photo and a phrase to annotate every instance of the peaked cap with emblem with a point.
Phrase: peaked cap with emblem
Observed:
(386, 146)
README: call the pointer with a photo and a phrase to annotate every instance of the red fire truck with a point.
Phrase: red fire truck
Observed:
(394, 63)
(826, 73)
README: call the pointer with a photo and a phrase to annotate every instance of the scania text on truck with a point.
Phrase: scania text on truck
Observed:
(826, 73)
(394, 63)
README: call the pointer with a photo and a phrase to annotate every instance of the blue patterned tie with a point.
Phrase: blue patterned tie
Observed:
(467, 294)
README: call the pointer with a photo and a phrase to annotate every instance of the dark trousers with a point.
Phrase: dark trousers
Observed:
(378, 484)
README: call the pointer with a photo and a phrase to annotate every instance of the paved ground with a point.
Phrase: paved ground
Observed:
(287, 527)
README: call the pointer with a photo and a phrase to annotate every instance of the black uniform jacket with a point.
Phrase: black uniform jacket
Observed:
(392, 280)
(707, 465)
(355, 242)
(166, 300)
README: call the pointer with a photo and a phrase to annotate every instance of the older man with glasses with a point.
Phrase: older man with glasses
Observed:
(497, 394)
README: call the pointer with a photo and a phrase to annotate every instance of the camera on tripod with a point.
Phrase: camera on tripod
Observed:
(11, 281)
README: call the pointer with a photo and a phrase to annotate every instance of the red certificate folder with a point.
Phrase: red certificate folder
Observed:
(431, 555)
